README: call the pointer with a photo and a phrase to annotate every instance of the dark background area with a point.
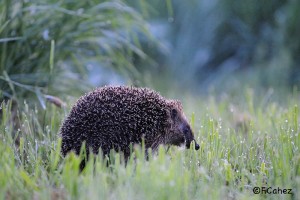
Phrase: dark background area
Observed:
(65, 48)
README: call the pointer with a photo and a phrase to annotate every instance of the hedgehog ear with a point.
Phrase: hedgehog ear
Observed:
(174, 113)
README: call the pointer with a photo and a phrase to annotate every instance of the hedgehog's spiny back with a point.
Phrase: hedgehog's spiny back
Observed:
(111, 117)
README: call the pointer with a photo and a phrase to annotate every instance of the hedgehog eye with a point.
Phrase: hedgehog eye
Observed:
(173, 113)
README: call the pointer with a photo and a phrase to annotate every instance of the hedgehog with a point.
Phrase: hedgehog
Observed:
(118, 117)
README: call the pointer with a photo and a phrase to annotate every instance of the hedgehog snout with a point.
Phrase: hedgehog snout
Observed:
(197, 146)
(190, 138)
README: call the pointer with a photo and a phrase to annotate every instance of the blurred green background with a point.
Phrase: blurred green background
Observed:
(66, 48)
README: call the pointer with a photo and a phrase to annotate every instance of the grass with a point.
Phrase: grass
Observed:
(243, 145)
(49, 47)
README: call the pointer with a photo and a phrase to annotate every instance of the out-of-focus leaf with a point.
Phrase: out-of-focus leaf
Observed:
(10, 39)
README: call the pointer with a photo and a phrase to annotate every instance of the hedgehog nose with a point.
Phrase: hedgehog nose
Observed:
(197, 146)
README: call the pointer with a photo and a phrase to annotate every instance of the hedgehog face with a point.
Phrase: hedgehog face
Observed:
(181, 132)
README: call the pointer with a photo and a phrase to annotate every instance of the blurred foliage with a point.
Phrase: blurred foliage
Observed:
(48, 46)
(213, 40)
(51, 46)
(245, 26)
(292, 33)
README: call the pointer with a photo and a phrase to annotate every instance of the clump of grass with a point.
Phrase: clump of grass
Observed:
(49, 46)
(229, 164)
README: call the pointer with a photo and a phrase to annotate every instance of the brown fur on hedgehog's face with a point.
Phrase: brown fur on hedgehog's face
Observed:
(180, 132)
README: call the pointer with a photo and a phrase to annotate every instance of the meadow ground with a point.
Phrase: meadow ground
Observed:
(248, 146)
